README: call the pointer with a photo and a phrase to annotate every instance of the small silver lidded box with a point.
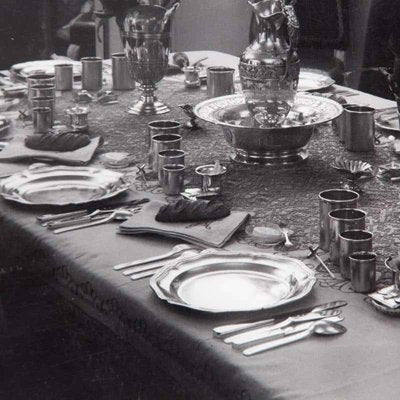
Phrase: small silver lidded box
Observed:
(79, 118)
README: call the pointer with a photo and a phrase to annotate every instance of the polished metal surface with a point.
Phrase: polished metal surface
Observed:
(363, 271)
(92, 73)
(220, 81)
(145, 33)
(253, 144)
(62, 185)
(360, 128)
(64, 75)
(353, 169)
(121, 77)
(169, 156)
(41, 117)
(223, 281)
(173, 179)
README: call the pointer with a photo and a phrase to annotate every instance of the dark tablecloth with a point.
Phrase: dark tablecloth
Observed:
(362, 364)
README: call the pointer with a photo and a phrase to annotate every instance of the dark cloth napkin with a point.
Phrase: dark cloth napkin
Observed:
(215, 233)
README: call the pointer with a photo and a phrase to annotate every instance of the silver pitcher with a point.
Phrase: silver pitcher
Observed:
(145, 31)
(269, 68)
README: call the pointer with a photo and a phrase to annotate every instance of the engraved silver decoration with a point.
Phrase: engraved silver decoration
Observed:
(269, 68)
(145, 32)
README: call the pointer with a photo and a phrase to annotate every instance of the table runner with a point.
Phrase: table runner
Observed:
(81, 261)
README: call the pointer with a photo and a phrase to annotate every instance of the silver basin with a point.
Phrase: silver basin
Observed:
(253, 144)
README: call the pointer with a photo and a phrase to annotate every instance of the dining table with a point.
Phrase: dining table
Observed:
(361, 364)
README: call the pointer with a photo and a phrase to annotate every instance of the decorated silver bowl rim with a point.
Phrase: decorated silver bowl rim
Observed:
(298, 292)
(236, 99)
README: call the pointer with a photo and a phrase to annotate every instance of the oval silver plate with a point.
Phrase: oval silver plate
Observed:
(224, 281)
(310, 81)
(232, 111)
(388, 120)
(62, 185)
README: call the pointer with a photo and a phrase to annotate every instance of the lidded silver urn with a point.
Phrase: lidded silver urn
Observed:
(269, 68)
(145, 30)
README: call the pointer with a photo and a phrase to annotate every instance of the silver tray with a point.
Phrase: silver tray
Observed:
(223, 281)
(62, 185)
(310, 81)
(388, 120)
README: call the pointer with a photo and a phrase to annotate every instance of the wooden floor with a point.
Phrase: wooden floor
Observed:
(50, 350)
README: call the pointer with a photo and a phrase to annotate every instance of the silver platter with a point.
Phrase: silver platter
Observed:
(310, 81)
(223, 281)
(62, 185)
(253, 144)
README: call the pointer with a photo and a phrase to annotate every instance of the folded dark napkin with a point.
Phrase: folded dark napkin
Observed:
(191, 211)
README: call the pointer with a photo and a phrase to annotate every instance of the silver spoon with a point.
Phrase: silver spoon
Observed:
(322, 328)
(119, 214)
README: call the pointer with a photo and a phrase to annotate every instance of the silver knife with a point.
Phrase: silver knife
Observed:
(261, 337)
(225, 330)
(242, 338)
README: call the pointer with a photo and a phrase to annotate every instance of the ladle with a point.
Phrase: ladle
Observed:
(322, 328)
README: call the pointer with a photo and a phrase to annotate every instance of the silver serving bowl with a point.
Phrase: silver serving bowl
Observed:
(254, 144)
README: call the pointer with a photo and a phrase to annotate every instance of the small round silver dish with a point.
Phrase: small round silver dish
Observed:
(254, 144)
(211, 177)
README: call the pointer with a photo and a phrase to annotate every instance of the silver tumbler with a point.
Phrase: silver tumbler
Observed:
(220, 81)
(92, 73)
(363, 271)
(45, 102)
(64, 76)
(329, 200)
(41, 117)
(173, 182)
(121, 77)
(343, 220)
(170, 156)
(38, 79)
(350, 242)
(339, 124)
(163, 142)
(360, 128)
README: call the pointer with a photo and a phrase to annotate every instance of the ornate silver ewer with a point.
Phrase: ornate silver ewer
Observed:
(145, 31)
(269, 68)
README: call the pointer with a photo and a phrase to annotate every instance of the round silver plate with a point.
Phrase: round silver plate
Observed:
(224, 281)
(62, 185)
(310, 81)
(388, 120)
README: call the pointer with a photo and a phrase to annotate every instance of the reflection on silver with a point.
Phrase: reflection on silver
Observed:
(223, 281)
(253, 144)
(62, 185)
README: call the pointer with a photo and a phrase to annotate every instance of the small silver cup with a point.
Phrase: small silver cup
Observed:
(41, 117)
(192, 77)
(38, 102)
(350, 242)
(329, 200)
(341, 220)
(211, 181)
(170, 156)
(173, 182)
(40, 90)
(64, 76)
(38, 79)
(92, 73)
(163, 142)
(220, 81)
(159, 127)
(78, 118)
(363, 271)
(339, 124)
(121, 77)
(360, 128)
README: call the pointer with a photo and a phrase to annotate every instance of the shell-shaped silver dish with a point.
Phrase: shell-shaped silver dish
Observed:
(225, 281)
(62, 185)
(356, 169)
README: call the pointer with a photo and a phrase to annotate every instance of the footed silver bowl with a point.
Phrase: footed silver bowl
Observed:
(254, 144)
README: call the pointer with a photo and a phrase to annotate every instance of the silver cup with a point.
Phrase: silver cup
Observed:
(192, 77)
(220, 81)
(163, 142)
(121, 77)
(41, 117)
(160, 127)
(211, 181)
(38, 102)
(341, 220)
(64, 76)
(350, 242)
(363, 271)
(170, 156)
(173, 182)
(92, 73)
(40, 90)
(339, 124)
(360, 128)
(329, 200)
